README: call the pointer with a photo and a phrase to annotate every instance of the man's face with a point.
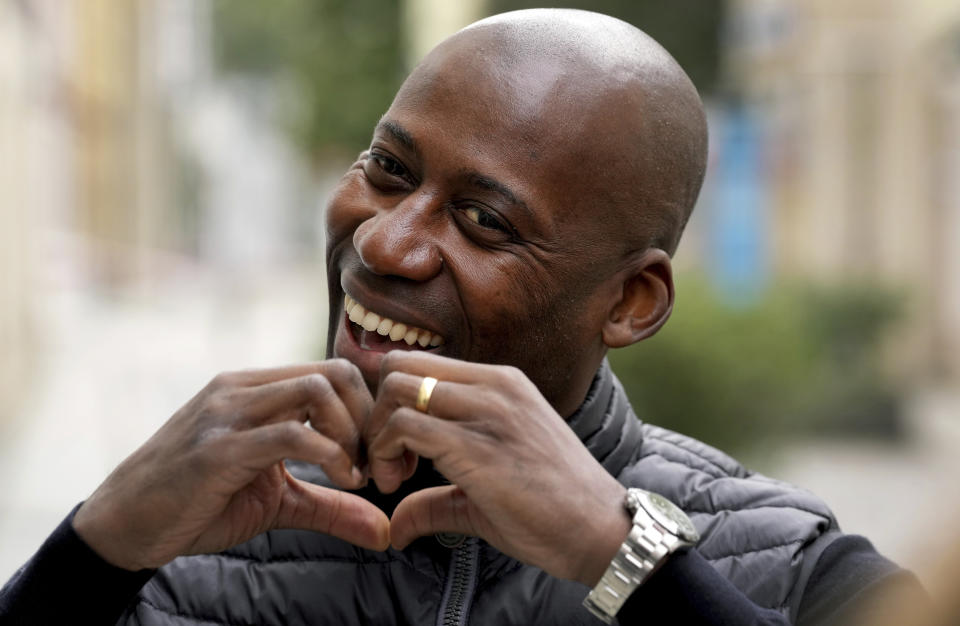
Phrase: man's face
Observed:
(470, 218)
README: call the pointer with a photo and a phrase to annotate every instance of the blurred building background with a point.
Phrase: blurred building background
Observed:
(163, 168)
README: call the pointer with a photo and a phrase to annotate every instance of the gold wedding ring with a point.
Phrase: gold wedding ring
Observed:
(424, 393)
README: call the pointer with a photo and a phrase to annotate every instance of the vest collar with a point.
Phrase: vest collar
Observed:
(606, 424)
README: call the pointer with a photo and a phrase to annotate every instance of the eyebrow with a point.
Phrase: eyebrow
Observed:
(400, 134)
(488, 184)
(477, 180)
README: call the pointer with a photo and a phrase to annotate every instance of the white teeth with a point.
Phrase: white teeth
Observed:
(356, 314)
(397, 331)
(411, 336)
(370, 321)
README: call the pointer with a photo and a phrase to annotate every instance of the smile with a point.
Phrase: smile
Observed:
(387, 329)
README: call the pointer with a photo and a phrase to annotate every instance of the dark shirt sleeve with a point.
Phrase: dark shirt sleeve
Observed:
(853, 582)
(846, 585)
(66, 582)
(688, 590)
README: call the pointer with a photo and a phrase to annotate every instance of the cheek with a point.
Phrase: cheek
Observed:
(522, 316)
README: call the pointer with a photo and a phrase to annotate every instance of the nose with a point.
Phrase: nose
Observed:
(397, 241)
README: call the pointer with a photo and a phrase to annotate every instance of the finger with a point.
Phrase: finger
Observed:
(342, 374)
(396, 390)
(337, 513)
(333, 368)
(449, 400)
(455, 394)
(261, 447)
(440, 367)
(307, 398)
(432, 510)
(463, 401)
(350, 386)
(407, 430)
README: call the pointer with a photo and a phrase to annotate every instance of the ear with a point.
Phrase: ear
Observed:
(645, 300)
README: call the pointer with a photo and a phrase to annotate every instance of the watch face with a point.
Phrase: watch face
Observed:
(670, 515)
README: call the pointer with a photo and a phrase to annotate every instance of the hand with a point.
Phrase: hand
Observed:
(213, 475)
(521, 478)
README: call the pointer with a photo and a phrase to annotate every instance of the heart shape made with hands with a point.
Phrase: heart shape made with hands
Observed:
(513, 463)
(213, 475)
(399, 429)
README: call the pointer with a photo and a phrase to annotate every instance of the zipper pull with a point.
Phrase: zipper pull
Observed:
(450, 540)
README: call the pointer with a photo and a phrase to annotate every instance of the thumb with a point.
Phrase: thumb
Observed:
(338, 513)
(432, 510)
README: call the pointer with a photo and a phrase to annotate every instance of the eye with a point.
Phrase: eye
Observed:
(389, 165)
(386, 172)
(486, 219)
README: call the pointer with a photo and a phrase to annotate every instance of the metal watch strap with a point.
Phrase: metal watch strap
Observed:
(642, 552)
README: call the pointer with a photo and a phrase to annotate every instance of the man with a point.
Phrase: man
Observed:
(512, 219)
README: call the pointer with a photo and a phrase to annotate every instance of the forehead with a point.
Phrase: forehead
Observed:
(537, 124)
(480, 105)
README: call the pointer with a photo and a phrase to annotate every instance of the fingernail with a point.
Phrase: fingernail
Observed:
(358, 476)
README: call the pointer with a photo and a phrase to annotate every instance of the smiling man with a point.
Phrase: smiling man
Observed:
(512, 220)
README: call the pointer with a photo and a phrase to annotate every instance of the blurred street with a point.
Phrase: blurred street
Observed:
(112, 369)
(902, 497)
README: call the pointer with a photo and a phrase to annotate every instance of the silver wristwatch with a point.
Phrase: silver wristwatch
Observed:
(659, 529)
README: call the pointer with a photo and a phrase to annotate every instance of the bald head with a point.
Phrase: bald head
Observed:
(520, 199)
(596, 88)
